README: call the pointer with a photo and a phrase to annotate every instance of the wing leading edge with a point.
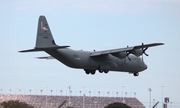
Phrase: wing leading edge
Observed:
(126, 49)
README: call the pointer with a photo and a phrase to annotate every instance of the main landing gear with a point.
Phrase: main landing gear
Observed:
(136, 74)
(105, 71)
(92, 72)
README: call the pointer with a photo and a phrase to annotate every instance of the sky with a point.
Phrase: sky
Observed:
(89, 25)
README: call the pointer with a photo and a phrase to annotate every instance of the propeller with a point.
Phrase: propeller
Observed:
(127, 54)
(144, 51)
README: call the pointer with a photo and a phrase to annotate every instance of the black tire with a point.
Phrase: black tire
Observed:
(136, 74)
(106, 71)
(93, 72)
(87, 72)
(101, 71)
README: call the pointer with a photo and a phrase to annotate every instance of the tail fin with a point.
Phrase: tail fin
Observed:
(44, 37)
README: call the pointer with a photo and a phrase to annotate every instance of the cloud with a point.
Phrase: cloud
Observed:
(94, 6)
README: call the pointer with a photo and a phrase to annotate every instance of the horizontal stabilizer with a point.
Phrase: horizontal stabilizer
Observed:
(46, 57)
(43, 49)
(31, 50)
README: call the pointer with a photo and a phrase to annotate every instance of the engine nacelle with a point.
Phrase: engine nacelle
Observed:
(120, 55)
(137, 52)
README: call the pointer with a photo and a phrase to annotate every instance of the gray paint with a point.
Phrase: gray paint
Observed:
(104, 61)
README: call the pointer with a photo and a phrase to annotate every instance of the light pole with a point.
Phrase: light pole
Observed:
(30, 91)
(51, 92)
(19, 91)
(46, 94)
(71, 93)
(134, 94)
(41, 92)
(69, 87)
(83, 96)
(1, 91)
(162, 86)
(80, 93)
(108, 96)
(89, 93)
(149, 97)
(126, 94)
(10, 91)
(123, 86)
(117, 95)
(61, 92)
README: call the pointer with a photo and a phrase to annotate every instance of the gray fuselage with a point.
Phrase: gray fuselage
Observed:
(81, 59)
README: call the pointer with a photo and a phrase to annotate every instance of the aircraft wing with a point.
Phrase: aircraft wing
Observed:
(127, 49)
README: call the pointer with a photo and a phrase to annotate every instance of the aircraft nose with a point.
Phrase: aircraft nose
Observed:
(145, 66)
(142, 67)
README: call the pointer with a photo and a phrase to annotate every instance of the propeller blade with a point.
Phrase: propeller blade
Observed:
(142, 43)
(145, 49)
(146, 54)
(128, 58)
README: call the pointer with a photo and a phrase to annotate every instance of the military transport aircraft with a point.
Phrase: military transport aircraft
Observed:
(125, 59)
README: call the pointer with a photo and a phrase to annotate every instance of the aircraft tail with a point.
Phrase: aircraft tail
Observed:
(44, 39)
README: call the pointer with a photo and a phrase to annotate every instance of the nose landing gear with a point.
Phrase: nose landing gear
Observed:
(136, 74)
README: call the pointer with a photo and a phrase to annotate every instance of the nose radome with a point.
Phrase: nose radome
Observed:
(145, 66)
(142, 67)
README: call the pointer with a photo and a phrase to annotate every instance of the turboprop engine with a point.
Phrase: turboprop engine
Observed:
(137, 52)
(120, 55)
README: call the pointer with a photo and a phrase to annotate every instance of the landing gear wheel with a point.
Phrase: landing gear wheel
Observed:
(106, 71)
(136, 74)
(93, 72)
(87, 72)
(101, 71)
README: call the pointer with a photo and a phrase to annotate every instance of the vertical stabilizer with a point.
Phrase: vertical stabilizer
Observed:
(44, 37)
